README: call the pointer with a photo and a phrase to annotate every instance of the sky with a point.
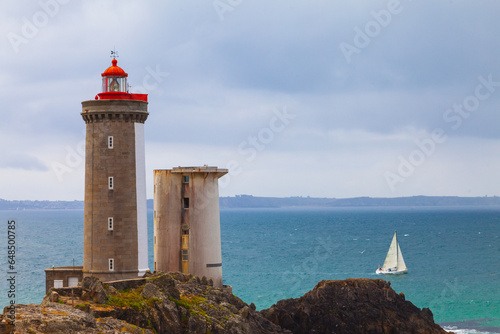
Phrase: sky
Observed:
(296, 98)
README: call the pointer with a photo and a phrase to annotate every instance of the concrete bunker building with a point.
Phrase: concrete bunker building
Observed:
(187, 222)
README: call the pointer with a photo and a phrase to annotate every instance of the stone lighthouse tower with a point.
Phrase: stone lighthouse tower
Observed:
(115, 221)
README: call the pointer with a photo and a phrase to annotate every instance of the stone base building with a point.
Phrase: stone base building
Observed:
(62, 277)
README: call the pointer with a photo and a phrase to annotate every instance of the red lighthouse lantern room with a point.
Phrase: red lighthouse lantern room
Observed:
(114, 85)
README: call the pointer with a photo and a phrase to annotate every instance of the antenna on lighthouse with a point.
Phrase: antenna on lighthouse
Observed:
(114, 53)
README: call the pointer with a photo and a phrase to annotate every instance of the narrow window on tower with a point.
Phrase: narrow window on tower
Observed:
(110, 183)
(110, 142)
(185, 255)
(111, 263)
(186, 203)
(110, 223)
(185, 179)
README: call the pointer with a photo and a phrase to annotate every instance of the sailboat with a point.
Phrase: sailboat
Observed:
(394, 263)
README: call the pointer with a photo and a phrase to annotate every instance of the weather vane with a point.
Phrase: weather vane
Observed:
(114, 53)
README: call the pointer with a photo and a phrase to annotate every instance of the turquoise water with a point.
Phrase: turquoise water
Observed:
(453, 254)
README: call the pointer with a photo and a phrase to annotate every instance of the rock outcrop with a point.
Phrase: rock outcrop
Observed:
(176, 303)
(161, 303)
(364, 306)
(59, 318)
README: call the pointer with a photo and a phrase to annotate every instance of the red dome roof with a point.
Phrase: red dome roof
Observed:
(114, 70)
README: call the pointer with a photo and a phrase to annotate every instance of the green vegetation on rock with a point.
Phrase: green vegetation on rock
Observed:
(131, 298)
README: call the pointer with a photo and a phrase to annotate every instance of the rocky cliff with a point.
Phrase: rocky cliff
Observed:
(177, 303)
(352, 306)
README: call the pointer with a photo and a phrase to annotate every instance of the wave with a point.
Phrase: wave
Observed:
(457, 330)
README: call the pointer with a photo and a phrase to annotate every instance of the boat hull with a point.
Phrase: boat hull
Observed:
(391, 272)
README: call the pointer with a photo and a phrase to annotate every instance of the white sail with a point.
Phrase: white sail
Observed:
(394, 263)
(401, 262)
(391, 260)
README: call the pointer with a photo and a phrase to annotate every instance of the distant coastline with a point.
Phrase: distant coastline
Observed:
(249, 201)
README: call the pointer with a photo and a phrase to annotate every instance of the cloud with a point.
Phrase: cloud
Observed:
(225, 78)
(23, 162)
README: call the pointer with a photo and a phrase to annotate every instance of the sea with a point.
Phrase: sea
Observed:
(452, 253)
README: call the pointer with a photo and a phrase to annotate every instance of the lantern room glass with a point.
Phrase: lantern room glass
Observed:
(114, 84)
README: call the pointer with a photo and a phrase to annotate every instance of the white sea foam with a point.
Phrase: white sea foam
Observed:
(457, 330)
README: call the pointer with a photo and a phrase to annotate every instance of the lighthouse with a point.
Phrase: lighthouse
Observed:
(186, 213)
(115, 216)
